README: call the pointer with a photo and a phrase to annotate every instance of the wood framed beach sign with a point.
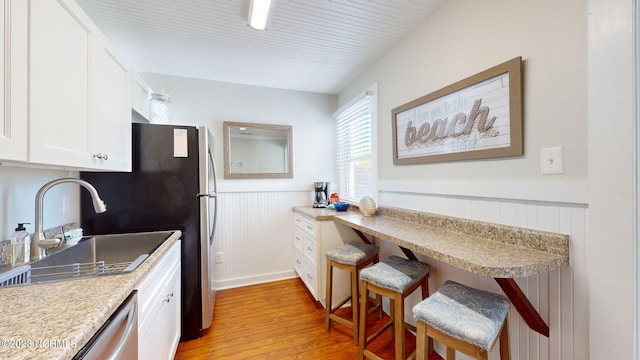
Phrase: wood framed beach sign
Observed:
(478, 117)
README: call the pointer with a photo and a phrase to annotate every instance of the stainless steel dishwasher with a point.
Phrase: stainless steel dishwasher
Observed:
(118, 337)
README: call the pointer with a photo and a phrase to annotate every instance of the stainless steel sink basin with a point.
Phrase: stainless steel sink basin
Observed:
(96, 256)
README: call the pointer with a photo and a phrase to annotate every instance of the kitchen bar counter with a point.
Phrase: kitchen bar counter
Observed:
(481, 248)
(55, 320)
(487, 249)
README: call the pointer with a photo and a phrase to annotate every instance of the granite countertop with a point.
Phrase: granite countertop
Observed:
(55, 320)
(323, 214)
(485, 249)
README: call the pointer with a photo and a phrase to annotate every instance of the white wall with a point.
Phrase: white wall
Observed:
(255, 226)
(466, 37)
(18, 188)
(204, 102)
(462, 39)
(610, 247)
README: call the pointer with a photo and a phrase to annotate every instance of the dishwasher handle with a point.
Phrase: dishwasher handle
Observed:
(126, 334)
(118, 338)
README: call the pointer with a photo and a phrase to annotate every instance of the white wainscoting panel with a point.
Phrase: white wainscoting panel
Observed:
(255, 235)
(560, 296)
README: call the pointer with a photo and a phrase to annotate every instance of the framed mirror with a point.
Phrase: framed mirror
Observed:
(257, 151)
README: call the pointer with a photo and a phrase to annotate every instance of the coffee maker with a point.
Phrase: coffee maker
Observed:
(321, 194)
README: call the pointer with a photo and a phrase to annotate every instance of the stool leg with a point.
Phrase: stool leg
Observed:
(378, 296)
(421, 340)
(392, 313)
(355, 304)
(398, 325)
(504, 341)
(425, 294)
(327, 320)
(362, 340)
(482, 354)
(451, 353)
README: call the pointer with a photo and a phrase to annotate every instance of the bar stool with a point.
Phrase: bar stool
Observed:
(395, 278)
(350, 257)
(464, 319)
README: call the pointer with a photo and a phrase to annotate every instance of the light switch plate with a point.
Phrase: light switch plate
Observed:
(551, 161)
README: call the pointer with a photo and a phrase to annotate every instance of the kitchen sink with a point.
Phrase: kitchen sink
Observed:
(93, 256)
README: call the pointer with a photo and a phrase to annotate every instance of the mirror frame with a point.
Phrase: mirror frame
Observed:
(227, 125)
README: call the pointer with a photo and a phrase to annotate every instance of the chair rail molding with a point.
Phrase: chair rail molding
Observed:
(570, 192)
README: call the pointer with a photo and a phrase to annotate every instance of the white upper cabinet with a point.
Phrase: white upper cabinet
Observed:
(110, 125)
(60, 84)
(79, 92)
(13, 77)
(140, 96)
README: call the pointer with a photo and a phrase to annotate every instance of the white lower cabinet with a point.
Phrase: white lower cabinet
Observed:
(159, 308)
(311, 240)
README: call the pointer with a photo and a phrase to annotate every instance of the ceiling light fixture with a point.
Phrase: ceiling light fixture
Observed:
(258, 12)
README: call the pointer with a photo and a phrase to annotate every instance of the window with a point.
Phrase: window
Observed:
(355, 152)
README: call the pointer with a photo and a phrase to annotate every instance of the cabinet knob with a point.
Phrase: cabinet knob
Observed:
(101, 157)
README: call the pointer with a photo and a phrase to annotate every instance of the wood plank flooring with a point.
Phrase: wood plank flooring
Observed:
(278, 320)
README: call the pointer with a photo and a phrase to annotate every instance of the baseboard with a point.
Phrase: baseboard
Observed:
(253, 280)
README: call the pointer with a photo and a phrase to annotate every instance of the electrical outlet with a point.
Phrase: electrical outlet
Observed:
(217, 258)
(66, 204)
(551, 162)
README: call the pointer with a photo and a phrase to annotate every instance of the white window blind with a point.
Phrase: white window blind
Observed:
(354, 151)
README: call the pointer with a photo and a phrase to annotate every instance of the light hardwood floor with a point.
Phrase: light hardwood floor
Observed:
(278, 320)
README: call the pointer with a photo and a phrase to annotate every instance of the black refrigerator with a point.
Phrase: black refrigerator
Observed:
(172, 186)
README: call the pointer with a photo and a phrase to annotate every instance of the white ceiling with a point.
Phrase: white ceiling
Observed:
(309, 45)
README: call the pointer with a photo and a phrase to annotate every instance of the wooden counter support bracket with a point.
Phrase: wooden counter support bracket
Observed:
(523, 305)
(361, 236)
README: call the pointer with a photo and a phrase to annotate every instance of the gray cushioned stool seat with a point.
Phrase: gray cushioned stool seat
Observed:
(352, 253)
(462, 312)
(395, 273)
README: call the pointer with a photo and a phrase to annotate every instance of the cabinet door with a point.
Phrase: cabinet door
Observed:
(298, 253)
(60, 40)
(110, 121)
(13, 99)
(149, 332)
(171, 315)
(140, 96)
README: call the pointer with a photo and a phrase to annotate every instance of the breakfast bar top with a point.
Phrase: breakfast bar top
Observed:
(485, 249)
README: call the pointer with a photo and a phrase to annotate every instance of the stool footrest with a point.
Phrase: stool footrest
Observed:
(372, 356)
(378, 332)
(340, 320)
(340, 305)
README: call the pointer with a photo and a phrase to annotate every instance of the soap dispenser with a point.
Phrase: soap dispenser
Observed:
(21, 243)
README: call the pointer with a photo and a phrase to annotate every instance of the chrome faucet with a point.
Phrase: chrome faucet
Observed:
(40, 243)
